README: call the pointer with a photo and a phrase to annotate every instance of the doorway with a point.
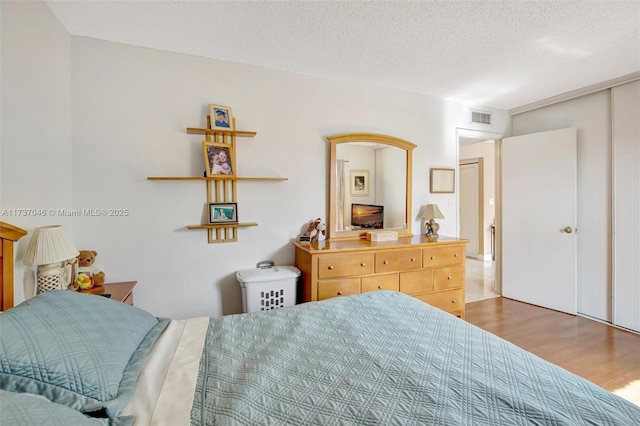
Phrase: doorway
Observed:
(478, 196)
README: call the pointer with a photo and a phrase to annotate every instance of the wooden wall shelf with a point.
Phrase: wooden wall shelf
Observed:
(214, 178)
(220, 188)
(222, 225)
(209, 132)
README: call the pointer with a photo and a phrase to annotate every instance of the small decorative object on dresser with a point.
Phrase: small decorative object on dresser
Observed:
(429, 213)
(220, 117)
(316, 230)
(382, 235)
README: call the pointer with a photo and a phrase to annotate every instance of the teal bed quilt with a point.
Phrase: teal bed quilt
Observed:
(384, 358)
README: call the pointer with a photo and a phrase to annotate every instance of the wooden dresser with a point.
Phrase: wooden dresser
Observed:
(432, 271)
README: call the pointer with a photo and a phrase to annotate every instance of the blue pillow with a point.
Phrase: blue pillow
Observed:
(27, 409)
(79, 350)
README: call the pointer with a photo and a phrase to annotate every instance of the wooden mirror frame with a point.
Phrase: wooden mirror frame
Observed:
(336, 140)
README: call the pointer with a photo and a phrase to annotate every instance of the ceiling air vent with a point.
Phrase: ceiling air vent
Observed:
(480, 117)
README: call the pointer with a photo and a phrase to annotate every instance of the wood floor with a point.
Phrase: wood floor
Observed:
(605, 355)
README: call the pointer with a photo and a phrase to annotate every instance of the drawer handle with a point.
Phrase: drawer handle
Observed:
(386, 262)
(363, 264)
(448, 278)
(379, 287)
(413, 259)
(453, 301)
(330, 268)
(433, 258)
(455, 255)
(339, 293)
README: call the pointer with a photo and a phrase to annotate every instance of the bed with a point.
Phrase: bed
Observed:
(9, 235)
(378, 358)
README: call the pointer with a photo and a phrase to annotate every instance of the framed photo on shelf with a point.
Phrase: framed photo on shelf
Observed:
(220, 117)
(219, 159)
(359, 183)
(223, 213)
(443, 181)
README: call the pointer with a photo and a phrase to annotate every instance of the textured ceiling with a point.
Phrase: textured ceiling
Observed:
(501, 54)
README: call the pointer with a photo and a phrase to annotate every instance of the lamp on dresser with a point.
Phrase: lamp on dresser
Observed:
(430, 212)
(51, 250)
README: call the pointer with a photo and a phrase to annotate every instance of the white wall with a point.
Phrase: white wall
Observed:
(131, 107)
(591, 115)
(36, 144)
(393, 185)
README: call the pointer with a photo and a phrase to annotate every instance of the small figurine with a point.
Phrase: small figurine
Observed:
(316, 230)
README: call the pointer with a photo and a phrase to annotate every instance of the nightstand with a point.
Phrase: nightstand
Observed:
(122, 292)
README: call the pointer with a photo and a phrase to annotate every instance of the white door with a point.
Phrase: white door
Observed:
(469, 208)
(539, 186)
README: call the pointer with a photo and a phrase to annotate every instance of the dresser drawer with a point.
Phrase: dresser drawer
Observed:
(334, 288)
(414, 282)
(440, 256)
(398, 260)
(380, 282)
(345, 265)
(449, 301)
(448, 277)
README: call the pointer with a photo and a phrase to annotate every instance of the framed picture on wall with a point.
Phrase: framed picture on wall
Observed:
(443, 181)
(218, 159)
(223, 212)
(359, 183)
(220, 117)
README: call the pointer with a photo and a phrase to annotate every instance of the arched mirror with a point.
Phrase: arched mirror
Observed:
(370, 184)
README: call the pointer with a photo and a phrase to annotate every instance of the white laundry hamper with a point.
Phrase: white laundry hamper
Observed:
(267, 287)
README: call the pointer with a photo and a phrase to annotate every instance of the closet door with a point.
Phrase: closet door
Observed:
(625, 102)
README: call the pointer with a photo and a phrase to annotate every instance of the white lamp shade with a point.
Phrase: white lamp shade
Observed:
(431, 211)
(49, 244)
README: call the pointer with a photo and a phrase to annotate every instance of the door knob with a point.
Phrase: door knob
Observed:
(567, 230)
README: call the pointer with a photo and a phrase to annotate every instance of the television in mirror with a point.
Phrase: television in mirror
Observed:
(367, 216)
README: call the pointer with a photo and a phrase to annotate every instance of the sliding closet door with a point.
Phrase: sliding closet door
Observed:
(625, 102)
(591, 114)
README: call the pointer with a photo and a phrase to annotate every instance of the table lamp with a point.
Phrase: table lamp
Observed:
(51, 250)
(429, 213)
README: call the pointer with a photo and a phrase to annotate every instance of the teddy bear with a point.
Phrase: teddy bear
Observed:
(86, 259)
(317, 230)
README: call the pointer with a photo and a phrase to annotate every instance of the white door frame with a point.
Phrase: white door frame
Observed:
(485, 136)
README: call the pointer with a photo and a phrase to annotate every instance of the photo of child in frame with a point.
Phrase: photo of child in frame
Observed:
(220, 117)
(218, 159)
(223, 212)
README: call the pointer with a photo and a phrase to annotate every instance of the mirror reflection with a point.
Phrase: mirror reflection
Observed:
(370, 186)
